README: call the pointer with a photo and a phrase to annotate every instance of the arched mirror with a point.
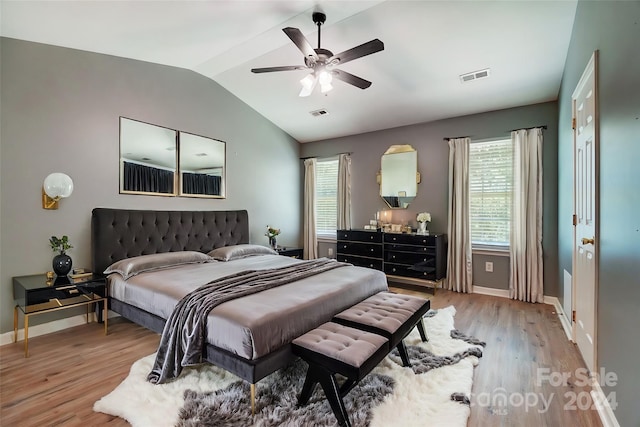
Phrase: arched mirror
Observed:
(399, 176)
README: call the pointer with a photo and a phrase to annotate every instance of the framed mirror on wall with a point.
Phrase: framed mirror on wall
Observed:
(399, 176)
(148, 158)
(202, 166)
(155, 160)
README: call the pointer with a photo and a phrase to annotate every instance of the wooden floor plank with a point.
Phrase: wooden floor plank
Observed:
(71, 369)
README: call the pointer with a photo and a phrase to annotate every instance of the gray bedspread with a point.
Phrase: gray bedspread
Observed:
(185, 331)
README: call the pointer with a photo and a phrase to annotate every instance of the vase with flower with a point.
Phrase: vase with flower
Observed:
(271, 234)
(423, 218)
(61, 262)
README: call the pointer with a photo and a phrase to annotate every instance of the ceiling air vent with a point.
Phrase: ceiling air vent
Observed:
(475, 75)
(317, 113)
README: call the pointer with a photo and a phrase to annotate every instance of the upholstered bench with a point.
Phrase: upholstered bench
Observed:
(337, 349)
(391, 315)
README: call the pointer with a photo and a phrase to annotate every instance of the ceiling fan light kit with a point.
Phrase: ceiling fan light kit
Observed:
(322, 62)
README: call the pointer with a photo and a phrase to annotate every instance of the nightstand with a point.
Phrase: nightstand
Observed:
(36, 294)
(291, 252)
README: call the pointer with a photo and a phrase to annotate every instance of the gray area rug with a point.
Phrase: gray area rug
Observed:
(277, 405)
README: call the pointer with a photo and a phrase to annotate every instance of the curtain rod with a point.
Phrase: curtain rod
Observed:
(532, 127)
(337, 154)
(456, 137)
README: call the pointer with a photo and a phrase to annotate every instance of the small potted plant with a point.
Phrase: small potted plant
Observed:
(271, 234)
(62, 261)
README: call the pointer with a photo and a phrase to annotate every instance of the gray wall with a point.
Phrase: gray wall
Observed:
(59, 112)
(433, 158)
(613, 28)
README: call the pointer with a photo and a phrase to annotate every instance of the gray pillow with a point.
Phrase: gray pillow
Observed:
(229, 253)
(129, 267)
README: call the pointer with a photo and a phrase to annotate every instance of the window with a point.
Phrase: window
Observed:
(326, 197)
(490, 190)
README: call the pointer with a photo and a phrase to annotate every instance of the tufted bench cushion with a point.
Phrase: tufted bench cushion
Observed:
(391, 315)
(337, 349)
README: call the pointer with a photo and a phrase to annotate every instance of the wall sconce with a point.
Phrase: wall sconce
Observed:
(56, 186)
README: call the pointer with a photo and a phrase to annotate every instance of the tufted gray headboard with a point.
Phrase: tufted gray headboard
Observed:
(123, 233)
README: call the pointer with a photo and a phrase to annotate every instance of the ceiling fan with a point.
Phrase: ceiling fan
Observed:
(322, 62)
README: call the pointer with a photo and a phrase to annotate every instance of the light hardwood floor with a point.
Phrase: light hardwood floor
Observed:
(69, 370)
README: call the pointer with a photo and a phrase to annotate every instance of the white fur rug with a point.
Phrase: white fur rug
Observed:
(417, 400)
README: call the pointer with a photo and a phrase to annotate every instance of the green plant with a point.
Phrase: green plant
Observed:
(60, 244)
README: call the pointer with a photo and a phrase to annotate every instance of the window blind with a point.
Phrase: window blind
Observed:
(490, 192)
(326, 197)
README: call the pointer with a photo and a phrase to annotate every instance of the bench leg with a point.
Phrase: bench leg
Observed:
(423, 333)
(310, 382)
(402, 349)
(331, 390)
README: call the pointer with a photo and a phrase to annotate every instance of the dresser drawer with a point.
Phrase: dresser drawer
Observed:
(409, 239)
(407, 258)
(376, 264)
(429, 250)
(359, 236)
(362, 249)
(418, 271)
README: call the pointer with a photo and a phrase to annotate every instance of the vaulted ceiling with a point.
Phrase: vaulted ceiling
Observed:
(416, 78)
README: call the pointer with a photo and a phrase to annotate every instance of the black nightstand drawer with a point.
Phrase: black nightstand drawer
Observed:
(291, 252)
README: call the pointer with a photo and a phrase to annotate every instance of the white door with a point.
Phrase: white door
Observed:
(585, 182)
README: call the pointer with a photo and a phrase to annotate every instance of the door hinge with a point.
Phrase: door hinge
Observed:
(575, 220)
(573, 123)
(573, 316)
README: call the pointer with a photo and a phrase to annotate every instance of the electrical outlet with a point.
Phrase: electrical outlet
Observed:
(488, 266)
(330, 251)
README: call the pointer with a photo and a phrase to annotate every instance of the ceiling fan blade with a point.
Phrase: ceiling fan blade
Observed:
(272, 69)
(299, 40)
(351, 79)
(365, 49)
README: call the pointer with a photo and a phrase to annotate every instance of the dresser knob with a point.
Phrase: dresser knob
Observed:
(370, 265)
(424, 274)
(394, 270)
(371, 237)
(371, 249)
(393, 256)
(394, 239)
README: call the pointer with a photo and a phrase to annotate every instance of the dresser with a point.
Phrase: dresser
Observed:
(405, 258)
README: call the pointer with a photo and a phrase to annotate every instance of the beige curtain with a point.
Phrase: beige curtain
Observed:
(310, 239)
(459, 262)
(526, 282)
(344, 192)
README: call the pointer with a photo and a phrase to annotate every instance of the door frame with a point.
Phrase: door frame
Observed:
(591, 67)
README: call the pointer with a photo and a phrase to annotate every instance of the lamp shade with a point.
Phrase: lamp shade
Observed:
(58, 185)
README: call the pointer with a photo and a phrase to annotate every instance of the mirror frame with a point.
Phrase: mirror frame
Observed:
(398, 149)
(175, 136)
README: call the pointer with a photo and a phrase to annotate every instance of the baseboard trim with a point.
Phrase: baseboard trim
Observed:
(603, 407)
(564, 320)
(502, 293)
(50, 327)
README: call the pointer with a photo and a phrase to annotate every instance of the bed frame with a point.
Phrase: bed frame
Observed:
(120, 233)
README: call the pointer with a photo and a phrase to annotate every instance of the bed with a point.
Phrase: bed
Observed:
(250, 336)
